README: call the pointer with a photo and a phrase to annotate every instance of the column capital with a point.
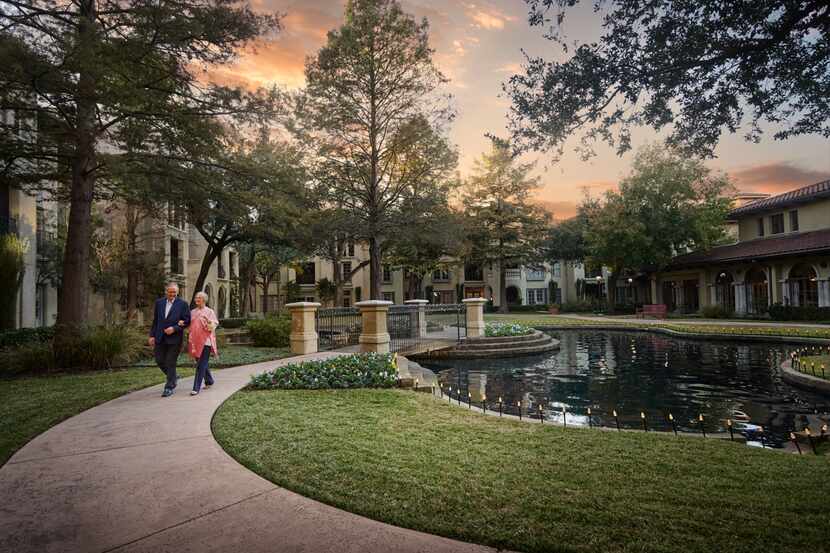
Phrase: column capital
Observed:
(373, 303)
(474, 300)
(416, 302)
(302, 305)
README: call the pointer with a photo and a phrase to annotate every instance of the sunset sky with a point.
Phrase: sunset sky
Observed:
(478, 46)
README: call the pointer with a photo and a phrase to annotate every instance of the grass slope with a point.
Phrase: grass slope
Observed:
(708, 327)
(32, 405)
(415, 462)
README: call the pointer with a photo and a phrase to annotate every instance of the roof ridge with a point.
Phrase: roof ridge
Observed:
(801, 194)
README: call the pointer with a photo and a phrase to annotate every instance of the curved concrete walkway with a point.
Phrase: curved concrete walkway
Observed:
(143, 473)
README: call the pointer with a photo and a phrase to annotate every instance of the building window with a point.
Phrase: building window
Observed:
(389, 296)
(793, 221)
(473, 272)
(446, 296)
(536, 273)
(760, 226)
(358, 294)
(557, 269)
(306, 274)
(387, 273)
(346, 271)
(347, 298)
(441, 275)
(350, 248)
(537, 296)
(776, 223)
(176, 261)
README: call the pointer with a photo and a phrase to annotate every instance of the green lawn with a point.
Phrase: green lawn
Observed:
(811, 364)
(534, 319)
(416, 462)
(32, 405)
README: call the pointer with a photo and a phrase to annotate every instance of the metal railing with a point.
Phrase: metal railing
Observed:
(403, 325)
(338, 327)
(447, 319)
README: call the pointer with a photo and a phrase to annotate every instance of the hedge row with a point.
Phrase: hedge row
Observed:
(364, 370)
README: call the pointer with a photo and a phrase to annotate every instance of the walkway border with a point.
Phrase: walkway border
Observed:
(803, 380)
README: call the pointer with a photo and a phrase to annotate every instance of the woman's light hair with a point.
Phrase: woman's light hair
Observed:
(172, 284)
(202, 295)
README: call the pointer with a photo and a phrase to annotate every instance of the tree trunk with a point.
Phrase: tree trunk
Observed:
(266, 285)
(246, 276)
(612, 291)
(72, 309)
(211, 253)
(503, 288)
(132, 218)
(375, 269)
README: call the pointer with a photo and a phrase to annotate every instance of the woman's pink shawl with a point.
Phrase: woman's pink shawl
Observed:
(200, 320)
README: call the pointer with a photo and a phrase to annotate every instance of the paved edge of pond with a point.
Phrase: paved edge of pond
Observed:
(144, 473)
(680, 334)
(803, 380)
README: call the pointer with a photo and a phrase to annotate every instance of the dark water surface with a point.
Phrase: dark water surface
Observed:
(634, 372)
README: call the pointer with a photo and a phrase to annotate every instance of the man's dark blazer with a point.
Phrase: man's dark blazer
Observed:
(179, 311)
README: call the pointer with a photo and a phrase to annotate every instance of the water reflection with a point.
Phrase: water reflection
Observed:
(632, 372)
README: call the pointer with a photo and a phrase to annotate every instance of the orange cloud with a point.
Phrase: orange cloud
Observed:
(776, 178)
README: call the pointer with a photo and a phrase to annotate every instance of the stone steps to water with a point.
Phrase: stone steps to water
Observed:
(501, 346)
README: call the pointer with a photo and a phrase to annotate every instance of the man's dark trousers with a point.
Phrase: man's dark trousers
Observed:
(166, 357)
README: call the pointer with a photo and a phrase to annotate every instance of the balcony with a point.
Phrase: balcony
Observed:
(536, 274)
(513, 274)
(177, 265)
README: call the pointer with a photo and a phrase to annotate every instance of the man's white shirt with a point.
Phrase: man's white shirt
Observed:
(168, 308)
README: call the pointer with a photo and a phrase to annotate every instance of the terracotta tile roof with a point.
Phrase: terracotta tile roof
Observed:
(793, 197)
(817, 241)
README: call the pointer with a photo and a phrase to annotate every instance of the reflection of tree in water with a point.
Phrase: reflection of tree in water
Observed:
(640, 371)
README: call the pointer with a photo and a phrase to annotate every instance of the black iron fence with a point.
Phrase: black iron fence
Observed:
(338, 327)
(448, 320)
(403, 324)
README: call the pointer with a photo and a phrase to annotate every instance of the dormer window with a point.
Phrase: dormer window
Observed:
(793, 221)
(776, 223)
(760, 226)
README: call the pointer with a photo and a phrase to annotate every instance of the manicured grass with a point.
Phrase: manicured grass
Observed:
(229, 356)
(414, 461)
(691, 328)
(811, 364)
(32, 405)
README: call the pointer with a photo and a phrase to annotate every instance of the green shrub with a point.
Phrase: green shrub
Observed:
(364, 370)
(506, 329)
(27, 358)
(580, 306)
(236, 322)
(780, 312)
(527, 308)
(12, 267)
(716, 312)
(271, 332)
(20, 336)
(83, 348)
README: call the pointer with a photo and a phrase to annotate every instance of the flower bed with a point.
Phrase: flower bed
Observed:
(492, 330)
(365, 370)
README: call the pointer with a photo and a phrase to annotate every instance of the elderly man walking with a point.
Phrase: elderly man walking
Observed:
(170, 317)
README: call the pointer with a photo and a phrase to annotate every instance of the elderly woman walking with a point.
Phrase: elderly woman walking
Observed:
(202, 341)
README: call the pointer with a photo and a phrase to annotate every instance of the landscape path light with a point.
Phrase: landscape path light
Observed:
(616, 419)
(702, 425)
(590, 423)
(643, 418)
(795, 441)
(729, 425)
(673, 424)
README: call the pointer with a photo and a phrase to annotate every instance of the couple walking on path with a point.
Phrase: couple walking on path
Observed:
(170, 317)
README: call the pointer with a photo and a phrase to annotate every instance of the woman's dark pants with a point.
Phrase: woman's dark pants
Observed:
(202, 370)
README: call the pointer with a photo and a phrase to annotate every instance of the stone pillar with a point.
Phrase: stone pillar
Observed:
(740, 298)
(653, 282)
(374, 336)
(475, 317)
(824, 293)
(774, 273)
(303, 337)
(422, 315)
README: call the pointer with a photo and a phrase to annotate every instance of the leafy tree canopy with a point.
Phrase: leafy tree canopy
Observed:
(696, 69)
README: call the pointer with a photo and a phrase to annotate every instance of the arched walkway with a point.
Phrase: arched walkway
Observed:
(757, 291)
(725, 291)
(209, 292)
(512, 295)
(802, 286)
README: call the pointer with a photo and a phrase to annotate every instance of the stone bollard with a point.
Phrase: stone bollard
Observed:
(303, 337)
(475, 317)
(422, 315)
(374, 336)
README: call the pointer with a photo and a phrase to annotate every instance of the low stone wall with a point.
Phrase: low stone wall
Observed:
(805, 381)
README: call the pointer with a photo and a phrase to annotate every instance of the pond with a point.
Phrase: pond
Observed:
(644, 372)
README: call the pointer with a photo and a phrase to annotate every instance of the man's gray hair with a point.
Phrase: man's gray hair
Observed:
(172, 283)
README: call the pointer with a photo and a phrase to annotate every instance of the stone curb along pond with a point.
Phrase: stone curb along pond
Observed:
(642, 377)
